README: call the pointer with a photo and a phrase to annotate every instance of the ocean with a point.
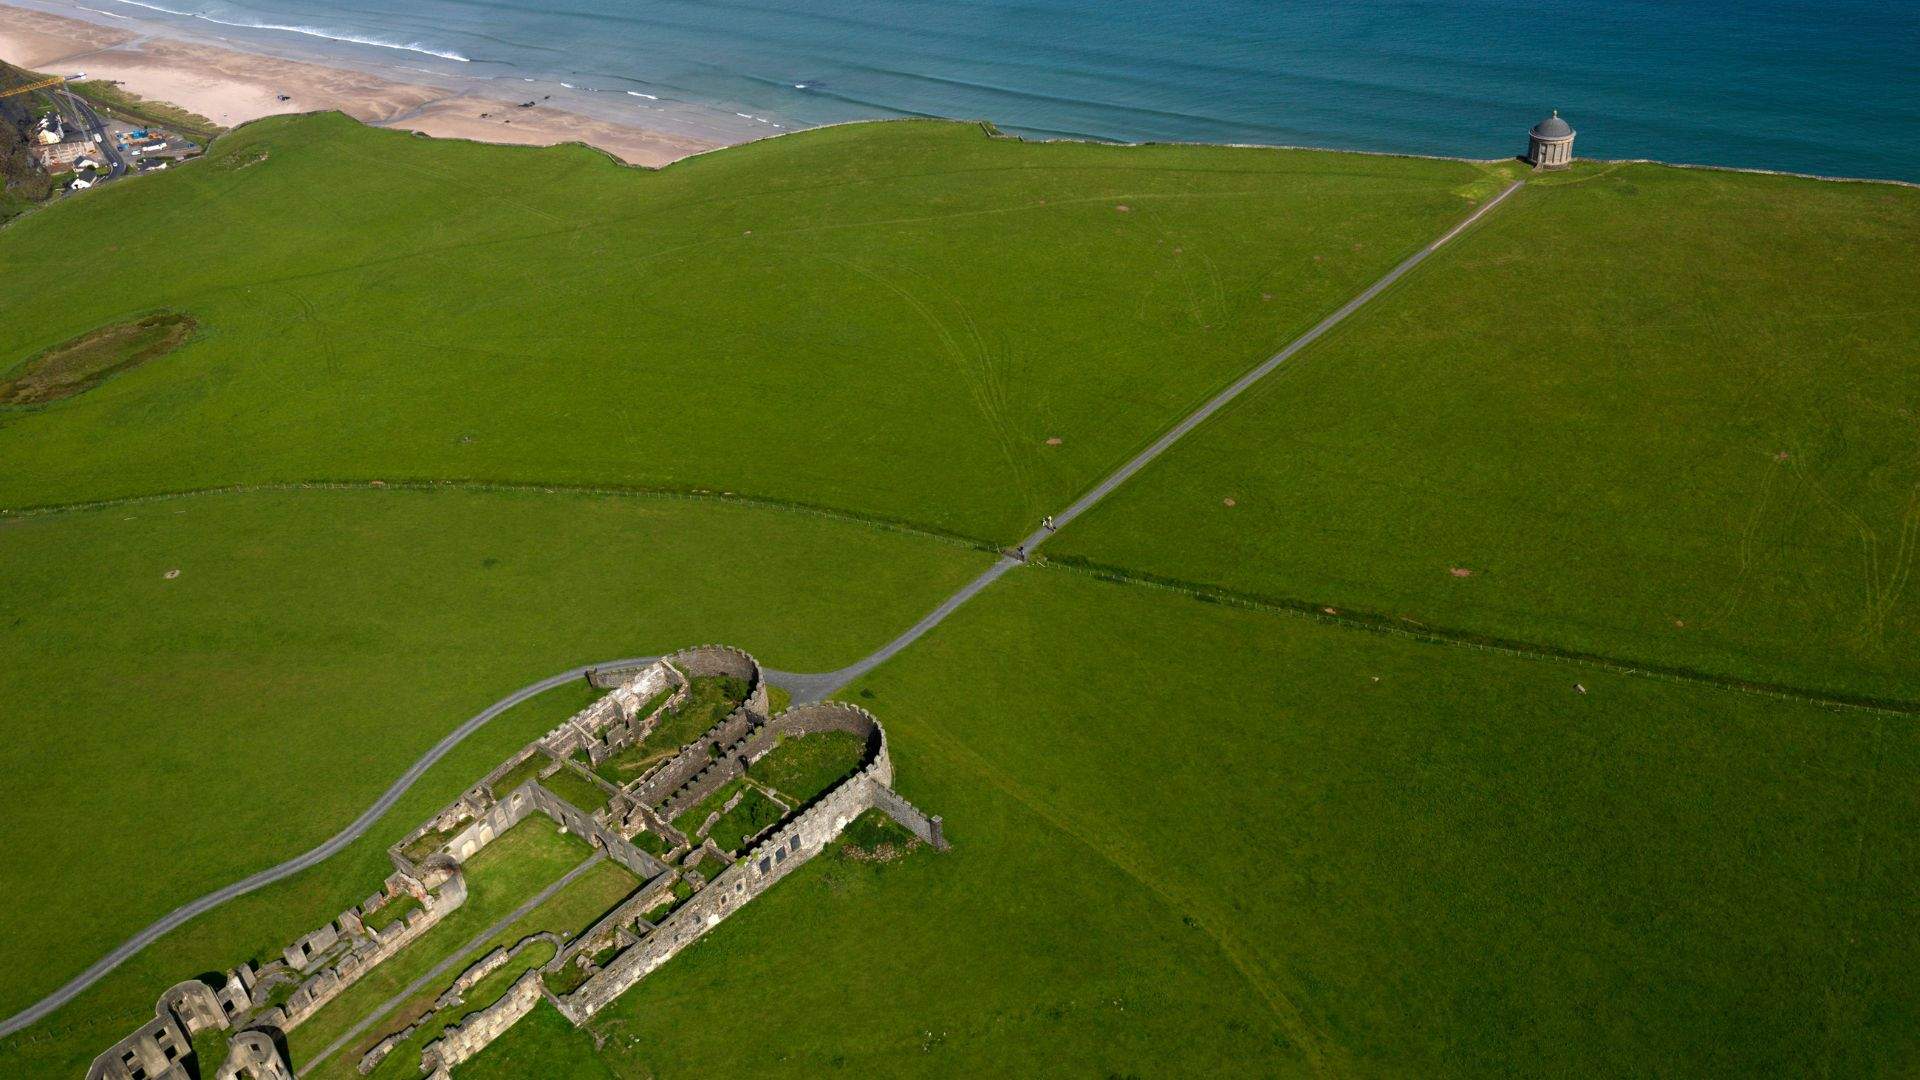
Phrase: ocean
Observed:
(1817, 86)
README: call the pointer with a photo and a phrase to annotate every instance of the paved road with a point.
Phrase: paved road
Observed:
(803, 687)
(91, 122)
(460, 956)
(180, 915)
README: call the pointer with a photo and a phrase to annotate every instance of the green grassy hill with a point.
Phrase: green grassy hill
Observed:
(1670, 416)
(188, 731)
(1189, 838)
(1656, 416)
(892, 319)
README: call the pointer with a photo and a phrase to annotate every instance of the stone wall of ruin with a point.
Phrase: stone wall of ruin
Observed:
(780, 853)
(777, 854)
(371, 950)
(193, 1006)
(617, 847)
(333, 957)
(606, 929)
(253, 1055)
(460, 1042)
(613, 717)
(928, 827)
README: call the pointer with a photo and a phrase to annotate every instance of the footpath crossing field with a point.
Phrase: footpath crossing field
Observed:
(914, 321)
(1206, 814)
(1661, 415)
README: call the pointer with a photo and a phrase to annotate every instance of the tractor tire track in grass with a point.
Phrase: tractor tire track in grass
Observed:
(1285, 1007)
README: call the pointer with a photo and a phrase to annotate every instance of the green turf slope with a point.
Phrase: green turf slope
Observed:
(1192, 839)
(166, 736)
(257, 926)
(887, 318)
(1660, 414)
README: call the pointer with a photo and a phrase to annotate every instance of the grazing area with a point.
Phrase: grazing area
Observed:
(258, 925)
(78, 365)
(378, 306)
(314, 643)
(1658, 414)
(1517, 681)
(1418, 860)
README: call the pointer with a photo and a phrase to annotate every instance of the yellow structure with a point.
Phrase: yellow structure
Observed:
(32, 86)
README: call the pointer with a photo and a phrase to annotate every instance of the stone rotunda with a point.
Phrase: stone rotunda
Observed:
(1550, 143)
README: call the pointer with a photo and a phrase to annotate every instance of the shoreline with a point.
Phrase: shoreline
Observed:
(232, 87)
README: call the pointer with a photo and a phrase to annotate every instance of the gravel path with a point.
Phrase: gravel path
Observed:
(804, 687)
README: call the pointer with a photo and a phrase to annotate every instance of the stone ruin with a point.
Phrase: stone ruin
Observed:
(260, 1003)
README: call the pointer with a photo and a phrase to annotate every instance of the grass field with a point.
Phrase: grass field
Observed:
(1660, 414)
(1189, 838)
(184, 732)
(260, 924)
(386, 307)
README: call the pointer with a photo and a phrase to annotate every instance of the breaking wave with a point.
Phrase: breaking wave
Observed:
(310, 31)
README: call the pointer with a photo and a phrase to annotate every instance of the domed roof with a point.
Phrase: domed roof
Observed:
(1552, 127)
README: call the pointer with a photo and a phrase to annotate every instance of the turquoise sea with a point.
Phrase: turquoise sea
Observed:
(1818, 86)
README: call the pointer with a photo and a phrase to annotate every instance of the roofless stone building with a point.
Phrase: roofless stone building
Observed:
(693, 880)
(1550, 143)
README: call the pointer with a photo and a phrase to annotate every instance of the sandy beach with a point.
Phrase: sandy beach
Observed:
(231, 87)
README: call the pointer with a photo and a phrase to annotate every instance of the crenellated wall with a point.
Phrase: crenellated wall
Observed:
(778, 854)
(330, 959)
